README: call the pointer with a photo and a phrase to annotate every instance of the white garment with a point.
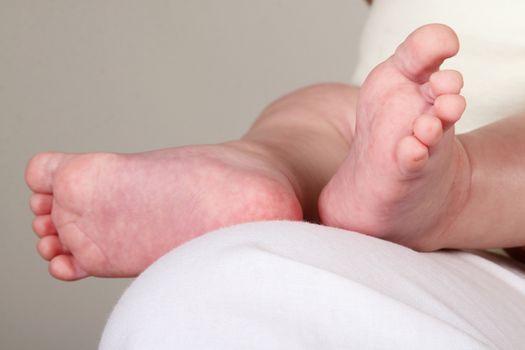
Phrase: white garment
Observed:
(491, 57)
(292, 285)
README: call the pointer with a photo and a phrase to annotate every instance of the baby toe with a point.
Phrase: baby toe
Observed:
(428, 129)
(424, 50)
(446, 82)
(48, 247)
(449, 109)
(66, 268)
(43, 225)
(40, 171)
(41, 204)
(411, 155)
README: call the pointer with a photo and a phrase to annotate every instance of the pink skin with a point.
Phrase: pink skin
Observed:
(112, 214)
(406, 176)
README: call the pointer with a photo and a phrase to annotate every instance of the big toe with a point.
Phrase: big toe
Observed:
(424, 50)
(41, 169)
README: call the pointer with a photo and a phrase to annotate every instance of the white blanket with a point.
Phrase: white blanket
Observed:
(290, 285)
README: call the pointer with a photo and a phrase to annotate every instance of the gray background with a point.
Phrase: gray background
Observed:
(130, 76)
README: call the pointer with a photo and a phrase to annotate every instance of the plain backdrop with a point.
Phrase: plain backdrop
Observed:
(129, 76)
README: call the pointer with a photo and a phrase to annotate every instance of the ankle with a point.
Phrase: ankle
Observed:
(272, 156)
(306, 169)
(306, 136)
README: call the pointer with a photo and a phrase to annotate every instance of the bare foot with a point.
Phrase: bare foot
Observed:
(112, 215)
(406, 176)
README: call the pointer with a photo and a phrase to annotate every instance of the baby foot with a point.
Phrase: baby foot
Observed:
(406, 176)
(112, 215)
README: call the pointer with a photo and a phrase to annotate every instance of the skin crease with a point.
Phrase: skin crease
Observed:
(277, 166)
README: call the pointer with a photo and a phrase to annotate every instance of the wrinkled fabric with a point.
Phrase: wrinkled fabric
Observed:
(293, 285)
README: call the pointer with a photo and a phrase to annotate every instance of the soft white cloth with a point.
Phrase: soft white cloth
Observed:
(491, 58)
(290, 285)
